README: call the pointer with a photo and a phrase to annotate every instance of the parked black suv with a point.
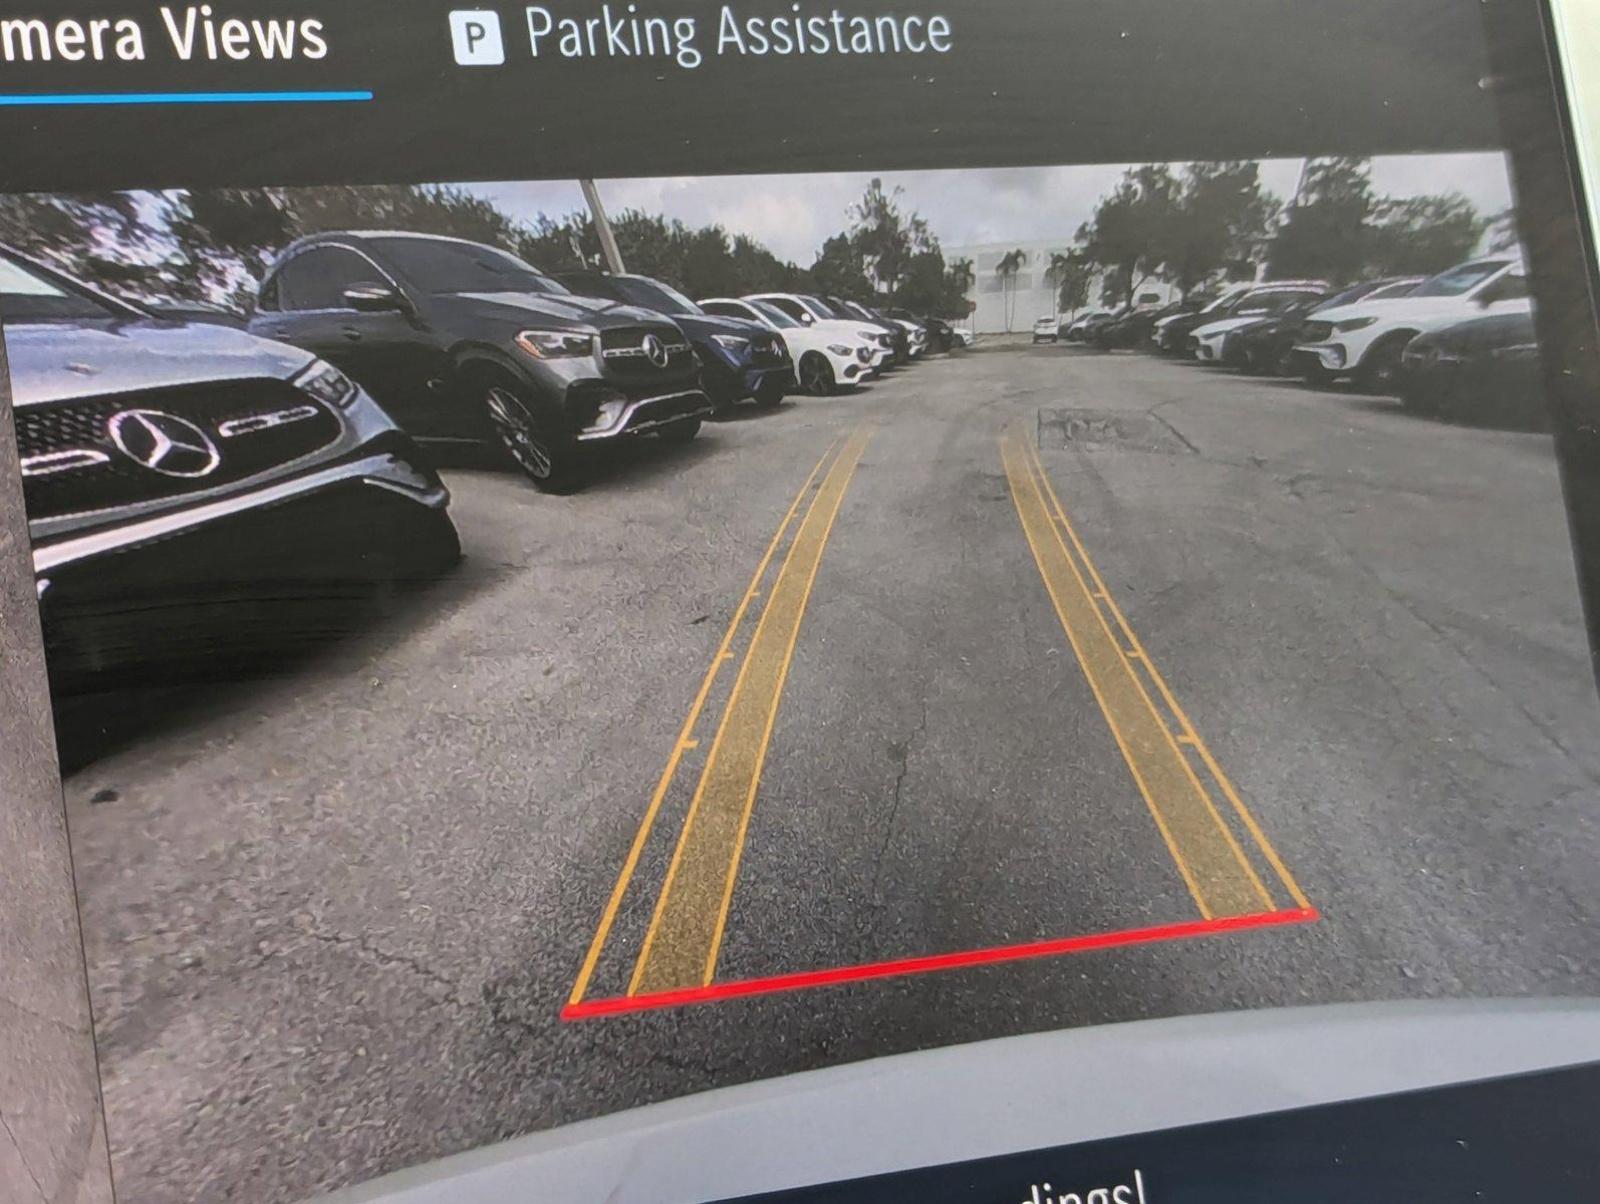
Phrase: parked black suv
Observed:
(854, 311)
(190, 487)
(738, 359)
(941, 335)
(462, 341)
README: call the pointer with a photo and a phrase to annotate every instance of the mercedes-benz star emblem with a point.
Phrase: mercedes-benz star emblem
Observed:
(164, 443)
(654, 351)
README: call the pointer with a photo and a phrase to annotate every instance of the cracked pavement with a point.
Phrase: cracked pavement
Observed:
(332, 916)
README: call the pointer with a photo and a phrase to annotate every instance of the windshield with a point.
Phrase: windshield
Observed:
(774, 315)
(1273, 303)
(27, 295)
(825, 310)
(1458, 280)
(652, 294)
(1226, 301)
(1400, 288)
(438, 266)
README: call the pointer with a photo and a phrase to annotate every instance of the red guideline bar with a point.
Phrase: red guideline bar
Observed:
(621, 1004)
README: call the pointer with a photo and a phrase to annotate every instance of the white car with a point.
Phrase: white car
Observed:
(916, 334)
(964, 336)
(809, 311)
(1075, 328)
(1364, 340)
(1263, 302)
(1046, 330)
(825, 360)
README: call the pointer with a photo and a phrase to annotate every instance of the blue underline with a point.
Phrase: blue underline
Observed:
(50, 99)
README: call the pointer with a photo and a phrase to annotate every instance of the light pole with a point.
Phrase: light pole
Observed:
(602, 225)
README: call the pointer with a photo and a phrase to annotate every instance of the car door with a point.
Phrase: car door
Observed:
(384, 348)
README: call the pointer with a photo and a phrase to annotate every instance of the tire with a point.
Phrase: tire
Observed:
(770, 394)
(1316, 375)
(550, 459)
(1424, 404)
(1380, 368)
(680, 432)
(815, 375)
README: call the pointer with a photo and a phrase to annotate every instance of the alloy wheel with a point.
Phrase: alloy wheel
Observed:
(517, 431)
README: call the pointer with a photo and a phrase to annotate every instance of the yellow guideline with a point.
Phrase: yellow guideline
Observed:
(680, 948)
(1208, 855)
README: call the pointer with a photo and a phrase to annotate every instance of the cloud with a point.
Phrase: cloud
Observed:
(793, 214)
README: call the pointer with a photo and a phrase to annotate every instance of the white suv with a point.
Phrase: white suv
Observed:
(824, 359)
(809, 312)
(1364, 340)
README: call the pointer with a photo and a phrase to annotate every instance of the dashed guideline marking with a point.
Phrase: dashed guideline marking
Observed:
(1209, 855)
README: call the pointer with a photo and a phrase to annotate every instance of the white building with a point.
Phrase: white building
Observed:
(1011, 301)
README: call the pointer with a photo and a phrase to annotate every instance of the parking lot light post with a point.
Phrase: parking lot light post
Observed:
(602, 225)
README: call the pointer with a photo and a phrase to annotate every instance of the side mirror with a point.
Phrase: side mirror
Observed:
(375, 299)
(806, 319)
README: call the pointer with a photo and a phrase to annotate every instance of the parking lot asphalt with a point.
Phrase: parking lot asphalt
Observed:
(1014, 647)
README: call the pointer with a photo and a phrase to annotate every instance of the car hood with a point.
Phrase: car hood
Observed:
(703, 326)
(53, 361)
(573, 309)
(841, 328)
(1415, 309)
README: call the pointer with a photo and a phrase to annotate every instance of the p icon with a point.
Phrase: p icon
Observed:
(476, 34)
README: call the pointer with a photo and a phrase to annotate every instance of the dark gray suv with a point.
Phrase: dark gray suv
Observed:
(462, 341)
(193, 491)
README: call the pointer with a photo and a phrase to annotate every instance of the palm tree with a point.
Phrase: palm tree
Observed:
(1007, 269)
(962, 276)
(1069, 273)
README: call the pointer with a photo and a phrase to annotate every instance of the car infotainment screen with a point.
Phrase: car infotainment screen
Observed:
(587, 553)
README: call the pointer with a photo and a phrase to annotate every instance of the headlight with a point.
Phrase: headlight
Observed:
(555, 344)
(731, 342)
(866, 336)
(1353, 324)
(838, 349)
(327, 384)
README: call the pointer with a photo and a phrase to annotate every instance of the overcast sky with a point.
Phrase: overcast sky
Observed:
(792, 214)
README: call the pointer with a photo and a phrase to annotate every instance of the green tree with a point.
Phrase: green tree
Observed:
(1219, 224)
(1071, 272)
(841, 269)
(1131, 231)
(1325, 231)
(889, 239)
(104, 238)
(1422, 235)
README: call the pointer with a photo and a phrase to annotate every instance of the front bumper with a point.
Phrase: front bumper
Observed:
(195, 592)
(851, 369)
(386, 471)
(1330, 357)
(642, 415)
